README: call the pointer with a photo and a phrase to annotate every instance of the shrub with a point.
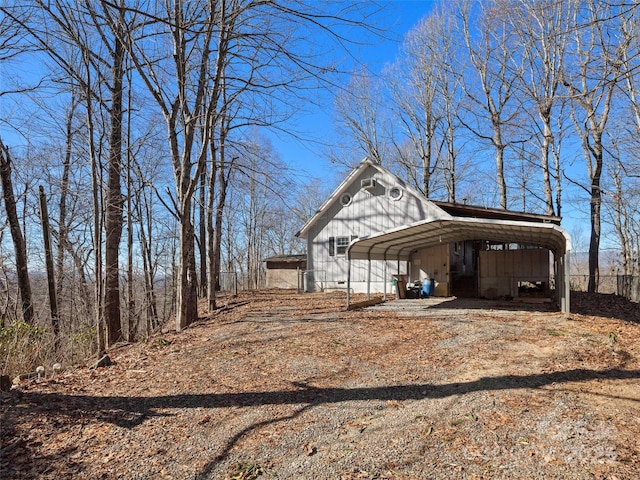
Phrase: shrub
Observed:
(22, 347)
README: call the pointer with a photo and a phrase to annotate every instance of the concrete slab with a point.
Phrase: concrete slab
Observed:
(438, 307)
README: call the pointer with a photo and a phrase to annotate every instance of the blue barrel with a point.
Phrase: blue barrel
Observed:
(427, 288)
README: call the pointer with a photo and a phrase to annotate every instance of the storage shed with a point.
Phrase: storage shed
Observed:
(283, 270)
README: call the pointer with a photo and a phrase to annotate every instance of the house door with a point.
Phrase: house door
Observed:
(464, 269)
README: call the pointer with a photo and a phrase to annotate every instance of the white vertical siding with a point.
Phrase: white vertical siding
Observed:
(370, 211)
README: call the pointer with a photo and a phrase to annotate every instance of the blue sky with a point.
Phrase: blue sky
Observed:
(308, 157)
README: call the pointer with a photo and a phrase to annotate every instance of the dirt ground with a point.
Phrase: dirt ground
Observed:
(286, 386)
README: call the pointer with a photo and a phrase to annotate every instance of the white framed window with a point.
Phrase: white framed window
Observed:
(395, 193)
(341, 245)
(338, 245)
(345, 199)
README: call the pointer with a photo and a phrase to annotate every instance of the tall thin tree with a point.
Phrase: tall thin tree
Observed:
(19, 244)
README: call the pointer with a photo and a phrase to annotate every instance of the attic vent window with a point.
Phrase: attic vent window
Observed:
(395, 193)
(345, 199)
(368, 183)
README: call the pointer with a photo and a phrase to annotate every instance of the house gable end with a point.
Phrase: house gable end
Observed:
(370, 200)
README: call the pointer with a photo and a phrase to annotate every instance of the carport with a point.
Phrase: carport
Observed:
(399, 244)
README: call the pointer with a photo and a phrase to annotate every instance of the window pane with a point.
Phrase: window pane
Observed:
(341, 245)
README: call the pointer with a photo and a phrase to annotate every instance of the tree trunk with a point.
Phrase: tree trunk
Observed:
(596, 203)
(426, 168)
(211, 255)
(150, 277)
(594, 244)
(621, 224)
(145, 214)
(96, 196)
(18, 240)
(502, 184)
(558, 182)
(114, 220)
(63, 229)
(187, 281)
(220, 175)
(451, 169)
(223, 181)
(547, 141)
(131, 302)
(203, 233)
(51, 283)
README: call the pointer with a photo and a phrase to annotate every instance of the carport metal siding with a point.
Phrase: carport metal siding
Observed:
(401, 243)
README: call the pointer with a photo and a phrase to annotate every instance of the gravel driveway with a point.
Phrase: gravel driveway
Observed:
(289, 386)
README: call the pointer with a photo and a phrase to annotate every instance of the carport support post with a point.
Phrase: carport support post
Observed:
(384, 274)
(567, 282)
(348, 278)
(563, 282)
(558, 271)
(369, 279)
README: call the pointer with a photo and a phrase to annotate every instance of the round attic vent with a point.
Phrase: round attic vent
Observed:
(345, 199)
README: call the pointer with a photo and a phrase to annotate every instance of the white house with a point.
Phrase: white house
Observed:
(374, 228)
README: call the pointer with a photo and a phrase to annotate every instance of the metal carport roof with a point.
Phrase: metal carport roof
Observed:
(400, 243)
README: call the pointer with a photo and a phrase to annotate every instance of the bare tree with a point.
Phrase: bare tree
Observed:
(186, 101)
(16, 233)
(63, 226)
(415, 84)
(222, 169)
(626, 173)
(11, 45)
(591, 78)
(541, 27)
(114, 201)
(491, 48)
(450, 94)
(149, 247)
(70, 225)
(259, 191)
(48, 253)
(359, 110)
(623, 216)
(202, 234)
(73, 22)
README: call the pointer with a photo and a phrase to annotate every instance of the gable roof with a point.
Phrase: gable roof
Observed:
(346, 183)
